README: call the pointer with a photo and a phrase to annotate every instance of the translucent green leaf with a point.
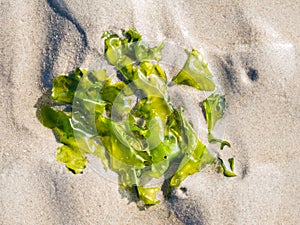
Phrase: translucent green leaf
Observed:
(227, 172)
(128, 52)
(113, 48)
(69, 153)
(144, 53)
(132, 35)
(162, 155)
(109, 91)
(192, 163)
(148, 195)
(148, 69)
(196, 155)
(214, 107)
(64, 87)
(59, 122)
(72, 158)
(119, 143)
(231, 163)
(212, 139)
(195, 73)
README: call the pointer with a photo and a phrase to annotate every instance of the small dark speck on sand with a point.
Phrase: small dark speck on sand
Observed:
(252, 74)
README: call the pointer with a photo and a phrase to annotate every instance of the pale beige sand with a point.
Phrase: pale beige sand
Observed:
(40, 39)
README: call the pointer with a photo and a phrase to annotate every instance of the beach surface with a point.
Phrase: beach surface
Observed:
(252, 48)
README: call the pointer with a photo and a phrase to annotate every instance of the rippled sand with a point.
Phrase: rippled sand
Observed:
(252, 48)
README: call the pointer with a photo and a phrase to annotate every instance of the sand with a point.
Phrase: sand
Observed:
(252, 48)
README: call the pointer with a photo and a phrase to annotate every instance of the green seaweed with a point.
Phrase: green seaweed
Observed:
(131, 125)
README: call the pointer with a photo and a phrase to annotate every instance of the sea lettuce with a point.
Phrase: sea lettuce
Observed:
(69, 152)
(130, 124)
(214, 106)
(227, 172)
(195, 73)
